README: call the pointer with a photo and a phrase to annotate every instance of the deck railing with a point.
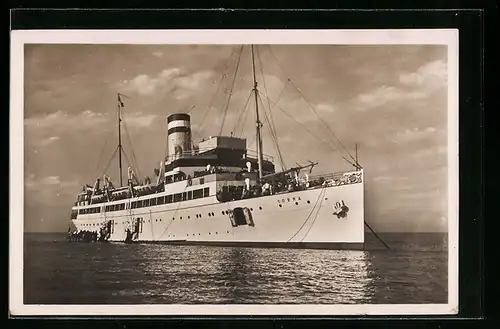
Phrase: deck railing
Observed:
(250, 154)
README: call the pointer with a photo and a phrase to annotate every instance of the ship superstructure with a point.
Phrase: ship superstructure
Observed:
(219, 192)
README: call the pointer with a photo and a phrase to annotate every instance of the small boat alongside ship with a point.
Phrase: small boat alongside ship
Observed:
(218, 192)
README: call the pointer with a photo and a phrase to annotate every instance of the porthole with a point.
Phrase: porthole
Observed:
(213, 214)
(308, 201)
(296, 203)
(189, 217)
(209, 233)
(293, 198)
(173, 218)
(326, 198)
(223, 213)
(260, 208)
(180, 217)
(160, 219)
(288, 199)
(216, 232)
(227, 231)
(209, 215)
(280, 205)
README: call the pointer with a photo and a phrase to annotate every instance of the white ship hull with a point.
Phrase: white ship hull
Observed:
(306, 218)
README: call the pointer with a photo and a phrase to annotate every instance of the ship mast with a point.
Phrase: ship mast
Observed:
(258, 123)
(120, 105)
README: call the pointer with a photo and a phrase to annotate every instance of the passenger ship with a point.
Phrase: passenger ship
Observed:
(220, 193)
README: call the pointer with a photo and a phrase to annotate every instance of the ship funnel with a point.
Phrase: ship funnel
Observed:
(179, 135)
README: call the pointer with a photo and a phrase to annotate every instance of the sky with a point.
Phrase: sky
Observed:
(389, 100)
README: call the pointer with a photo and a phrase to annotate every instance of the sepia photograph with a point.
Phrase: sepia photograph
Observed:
(234, 172)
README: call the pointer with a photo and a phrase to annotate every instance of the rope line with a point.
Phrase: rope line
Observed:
(309, 216)
(312, 108)
(309, 131)
(231, 91)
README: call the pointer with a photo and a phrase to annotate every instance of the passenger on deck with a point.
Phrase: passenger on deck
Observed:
(266, 189)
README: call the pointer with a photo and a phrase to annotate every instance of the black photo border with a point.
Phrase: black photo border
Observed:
(469, 22)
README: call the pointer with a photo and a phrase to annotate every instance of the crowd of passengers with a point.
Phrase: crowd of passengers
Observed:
(88, 236)
(278, 184)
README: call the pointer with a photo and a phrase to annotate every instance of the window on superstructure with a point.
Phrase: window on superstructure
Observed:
(152, 202)
(139, 204)
(177, 197)
(198, 194)
(145, 203)
(133, 205)
(184, 196)
(168, 179)
(160, 200)
(168, 199)
(206, 192)
(122, 206)
(190, 195)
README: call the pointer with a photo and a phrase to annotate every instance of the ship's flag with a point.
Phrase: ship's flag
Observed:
(120, 101)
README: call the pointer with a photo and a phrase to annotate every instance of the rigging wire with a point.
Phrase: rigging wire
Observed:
(319, 139)
(273, 136)
(312, 108)
(109, 162)
(244, 120)
(134, 159)
(273, 126)
(231, 91)
(224, 75)
(103, 148)
(240, 113)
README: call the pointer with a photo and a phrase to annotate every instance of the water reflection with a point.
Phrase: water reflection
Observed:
(60, 272)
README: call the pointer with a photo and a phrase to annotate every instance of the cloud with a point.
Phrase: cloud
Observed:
(139, 120)
(48, 141)
(415, 134)
(413, 86)
(430, 76)
(385, 94)
(327, 108)
(32, 182)
(169, 79)
(62, 120)
(158, 54)
(50, 180)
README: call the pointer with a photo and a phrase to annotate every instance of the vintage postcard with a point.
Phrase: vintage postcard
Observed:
(234, 172)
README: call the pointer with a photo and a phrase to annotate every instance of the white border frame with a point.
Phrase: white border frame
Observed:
(447, 37)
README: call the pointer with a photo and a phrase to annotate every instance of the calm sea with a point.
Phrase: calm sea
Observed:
(414, 270)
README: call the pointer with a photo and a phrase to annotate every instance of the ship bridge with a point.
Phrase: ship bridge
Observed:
(222, 152)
